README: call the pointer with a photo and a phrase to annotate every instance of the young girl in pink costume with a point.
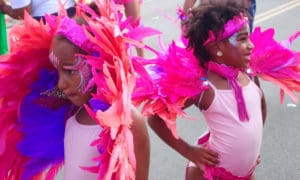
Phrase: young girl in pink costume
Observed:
(232, 105)
(104, 136)
(81, 129)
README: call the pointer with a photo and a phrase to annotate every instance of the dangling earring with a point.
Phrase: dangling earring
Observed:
(219, 53)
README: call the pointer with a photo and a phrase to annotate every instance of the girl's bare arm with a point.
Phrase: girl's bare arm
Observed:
(15, 13)
(141, 145)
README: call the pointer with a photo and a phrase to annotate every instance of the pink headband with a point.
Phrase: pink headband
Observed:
(232, 26)
(74, 33)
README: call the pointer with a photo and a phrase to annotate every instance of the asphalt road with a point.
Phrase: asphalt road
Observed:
(281, 146)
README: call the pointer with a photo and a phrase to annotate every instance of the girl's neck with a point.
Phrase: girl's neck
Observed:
(218, 81)
(83, 117)
(222, 82)
(236, 80)
(221, 72)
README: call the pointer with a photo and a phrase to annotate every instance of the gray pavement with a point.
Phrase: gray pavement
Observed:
(281, 146)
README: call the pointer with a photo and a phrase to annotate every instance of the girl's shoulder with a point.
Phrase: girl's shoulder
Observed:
(216, 81)
(243, 79)
(207, 98)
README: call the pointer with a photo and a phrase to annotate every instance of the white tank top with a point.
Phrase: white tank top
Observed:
(41, 7)
(78, 152)
(237, 142)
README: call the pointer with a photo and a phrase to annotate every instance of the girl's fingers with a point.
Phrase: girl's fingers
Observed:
(212, 153)
(211, 161)
(211, 158)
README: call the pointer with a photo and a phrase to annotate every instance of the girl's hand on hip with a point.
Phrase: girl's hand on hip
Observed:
(201, 155)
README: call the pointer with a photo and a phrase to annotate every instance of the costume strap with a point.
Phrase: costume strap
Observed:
(231, 74)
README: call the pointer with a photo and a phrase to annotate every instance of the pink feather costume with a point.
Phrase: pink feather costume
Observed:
(113, 75)
(18, 70)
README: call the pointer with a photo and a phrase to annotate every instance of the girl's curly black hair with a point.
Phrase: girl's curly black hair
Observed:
(208, 17)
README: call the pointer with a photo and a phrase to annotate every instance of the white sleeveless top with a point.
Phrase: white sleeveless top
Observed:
(237, 142)
(78, 152)
(41, 7)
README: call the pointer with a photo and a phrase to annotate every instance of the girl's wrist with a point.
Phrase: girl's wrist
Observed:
(1, 8)
(188, 152)
(4, 8)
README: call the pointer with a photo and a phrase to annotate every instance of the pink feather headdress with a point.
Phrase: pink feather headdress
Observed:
(74, 33)
(231, 26)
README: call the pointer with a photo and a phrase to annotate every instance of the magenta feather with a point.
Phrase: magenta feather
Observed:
(276, 62)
